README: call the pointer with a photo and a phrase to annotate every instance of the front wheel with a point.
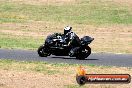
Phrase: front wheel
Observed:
(42, 52)
(82, 56)
(88, 51)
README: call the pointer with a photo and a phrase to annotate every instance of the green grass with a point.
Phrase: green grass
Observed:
(58, 70)
(33, 66)
(39, 65)
(19, 42)
(65, 65)
(44, 67)
(85, 12)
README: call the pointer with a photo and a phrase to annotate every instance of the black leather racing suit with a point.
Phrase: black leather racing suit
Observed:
(73, 41)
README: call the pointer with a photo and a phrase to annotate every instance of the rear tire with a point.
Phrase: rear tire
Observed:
(41, 51)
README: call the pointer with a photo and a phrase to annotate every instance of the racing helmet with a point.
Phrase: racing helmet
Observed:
(67, 29)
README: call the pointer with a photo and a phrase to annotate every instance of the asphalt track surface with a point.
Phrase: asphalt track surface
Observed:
(105, 59)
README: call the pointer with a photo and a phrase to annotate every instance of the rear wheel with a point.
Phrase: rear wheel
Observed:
(42, 52)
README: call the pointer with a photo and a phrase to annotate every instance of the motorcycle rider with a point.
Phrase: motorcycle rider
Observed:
(72, 39)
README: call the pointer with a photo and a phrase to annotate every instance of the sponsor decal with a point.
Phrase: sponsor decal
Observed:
(83, 78)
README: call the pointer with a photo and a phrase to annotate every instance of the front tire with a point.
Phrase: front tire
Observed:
(88, 51)
(41, 51)
(82, 56)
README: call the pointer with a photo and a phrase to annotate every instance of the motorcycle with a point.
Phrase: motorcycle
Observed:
(57, 45)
